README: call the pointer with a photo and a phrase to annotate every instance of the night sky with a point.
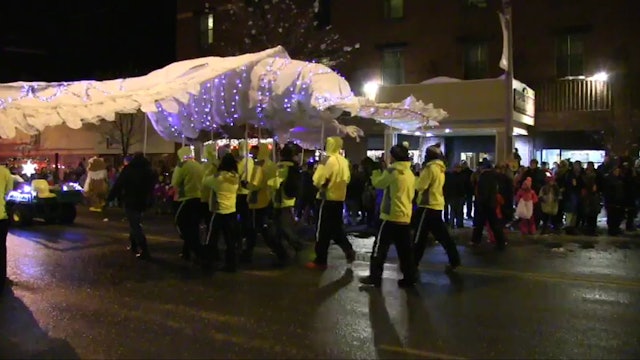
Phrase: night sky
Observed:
(71, 40)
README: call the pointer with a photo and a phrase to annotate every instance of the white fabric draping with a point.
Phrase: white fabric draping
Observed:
(268, 89)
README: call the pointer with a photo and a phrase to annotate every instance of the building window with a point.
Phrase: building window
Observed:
(476, 61)
(393, 9)
(206, 30)
(476, 3)
(393, 66)
(570, 55)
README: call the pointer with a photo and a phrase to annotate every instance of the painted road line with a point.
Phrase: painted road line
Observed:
(419, 353)
(567, 278)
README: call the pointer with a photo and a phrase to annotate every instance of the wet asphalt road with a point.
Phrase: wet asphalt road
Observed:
(79, 294)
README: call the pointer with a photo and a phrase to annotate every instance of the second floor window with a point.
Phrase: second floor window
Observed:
(570, 55)
(476, 3)
(476, 61)
(206, 30)
(393, 66)
(393, 9)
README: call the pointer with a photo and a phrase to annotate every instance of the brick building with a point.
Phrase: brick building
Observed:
(559, 45)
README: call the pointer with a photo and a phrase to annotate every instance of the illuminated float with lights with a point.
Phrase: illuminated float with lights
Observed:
(289, 99)
(283, 99)
(38, 200)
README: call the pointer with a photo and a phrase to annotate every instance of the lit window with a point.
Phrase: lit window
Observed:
(476, 61)
(477, 3)
(206, 30)
(394, 9)
(570, 55)
(393, 66)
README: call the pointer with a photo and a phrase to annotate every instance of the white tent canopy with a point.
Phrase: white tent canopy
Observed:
(294, 99)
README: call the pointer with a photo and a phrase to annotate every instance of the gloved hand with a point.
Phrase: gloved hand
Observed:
(244, 183)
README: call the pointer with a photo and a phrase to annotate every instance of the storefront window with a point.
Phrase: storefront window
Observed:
(584, 156)
(597, 156)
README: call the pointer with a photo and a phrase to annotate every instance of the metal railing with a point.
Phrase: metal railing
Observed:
(573, 95)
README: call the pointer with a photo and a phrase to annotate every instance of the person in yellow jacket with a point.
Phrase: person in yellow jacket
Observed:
(430, 206)
(398, 182)
(331, 179)
(223, 189)
(245, 168)
(284, 187)
(210, 168)
(6, 185)
(259, 200)
(187, 180)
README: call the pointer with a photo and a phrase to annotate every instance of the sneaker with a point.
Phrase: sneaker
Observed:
(143, 255)
(369, 281)
(406, 283)
(313, 266)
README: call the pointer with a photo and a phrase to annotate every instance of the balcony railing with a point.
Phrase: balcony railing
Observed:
(573, 95)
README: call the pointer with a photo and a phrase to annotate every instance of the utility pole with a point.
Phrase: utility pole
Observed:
(508, 75)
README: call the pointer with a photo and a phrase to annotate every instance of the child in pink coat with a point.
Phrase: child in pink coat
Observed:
(528, 197)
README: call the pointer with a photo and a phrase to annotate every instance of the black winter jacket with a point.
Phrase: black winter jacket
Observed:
(134, 185)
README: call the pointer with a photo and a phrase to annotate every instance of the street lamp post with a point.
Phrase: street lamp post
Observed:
(508, 75)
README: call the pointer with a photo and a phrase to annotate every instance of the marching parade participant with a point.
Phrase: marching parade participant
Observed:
(187, 179)
(431, 203)
(284, 187)
(398, 182)
(259, 201)
(245, 168)
(223, 188)
(331, 179)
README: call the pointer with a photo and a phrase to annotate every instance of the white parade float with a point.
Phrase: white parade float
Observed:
(292, 99)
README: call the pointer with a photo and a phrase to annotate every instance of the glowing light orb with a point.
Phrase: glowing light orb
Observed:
(29, 168)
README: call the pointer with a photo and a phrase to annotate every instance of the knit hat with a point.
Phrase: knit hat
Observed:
(433, 153)
(400, 153)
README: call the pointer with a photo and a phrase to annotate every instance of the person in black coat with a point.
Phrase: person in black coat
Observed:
(134, 187)
(454, 194)
(485, 207)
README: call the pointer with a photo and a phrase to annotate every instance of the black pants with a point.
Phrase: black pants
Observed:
(615, 216)
(224, 225)
(483, 215)
(469, 203)
(400, 236)
(244, 215)
(548, 222)
(454, 212)
(187, 221)
(136, 235)
(631, 212)
(258, 225)
(330, 227)
(430, 221)
(284, 225)
(4, 229)
(591, 224)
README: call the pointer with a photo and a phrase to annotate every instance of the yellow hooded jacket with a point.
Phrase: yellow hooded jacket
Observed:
(245, 166)
(430, 184)
(209, 168)
(263, 171)
(398, 183)
(6, 185)
(187, 176)
(223, 189)
(280, 199)
(333, 174)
